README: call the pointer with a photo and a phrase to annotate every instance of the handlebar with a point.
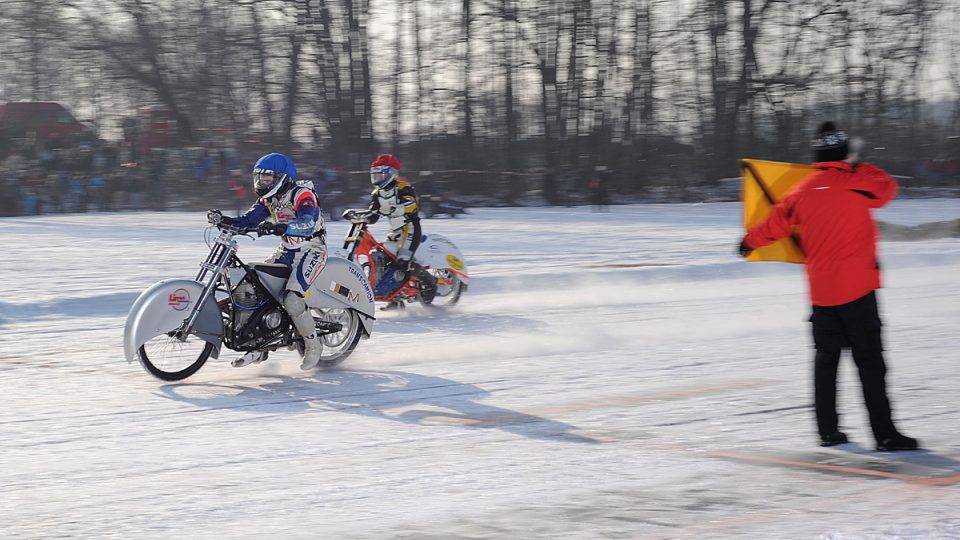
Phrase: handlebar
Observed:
(358, 217)
(233, 229)
(215, 218)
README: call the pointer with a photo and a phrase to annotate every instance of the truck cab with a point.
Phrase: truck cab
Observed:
(47, 122)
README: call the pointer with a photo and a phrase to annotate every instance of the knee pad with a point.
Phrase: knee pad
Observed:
(293, 302)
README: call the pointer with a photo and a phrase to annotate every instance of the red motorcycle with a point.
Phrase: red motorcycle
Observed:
(436, 255)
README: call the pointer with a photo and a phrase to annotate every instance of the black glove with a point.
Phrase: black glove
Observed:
(372, 218)
(403, 264)
(744, 250)
(268, 228)
(216, 218)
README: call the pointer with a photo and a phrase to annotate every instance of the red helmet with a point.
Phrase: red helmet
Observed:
(384, 172)
(386, 159)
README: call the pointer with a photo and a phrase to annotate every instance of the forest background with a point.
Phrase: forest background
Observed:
(659, 93)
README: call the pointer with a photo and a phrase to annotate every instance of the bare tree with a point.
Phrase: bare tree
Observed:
(665, 90)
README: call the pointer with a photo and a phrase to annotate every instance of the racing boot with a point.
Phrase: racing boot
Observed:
(428, 283)
(392, 306)
(252, 357)
(312, 347)
(306, 327)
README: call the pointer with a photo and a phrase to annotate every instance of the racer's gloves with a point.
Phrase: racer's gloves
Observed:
(362, 215)
(216, 218)
(268, 228)
(403, 264)
(744, 250)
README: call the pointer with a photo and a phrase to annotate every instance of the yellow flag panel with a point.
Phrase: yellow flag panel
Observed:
(764, 184)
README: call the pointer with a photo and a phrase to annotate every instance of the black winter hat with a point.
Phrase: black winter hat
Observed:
(831, 144)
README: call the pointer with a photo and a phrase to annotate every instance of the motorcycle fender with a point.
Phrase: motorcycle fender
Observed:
(343, 284)
(163, 307)
(436, 251)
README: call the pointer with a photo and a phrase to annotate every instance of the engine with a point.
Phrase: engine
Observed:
(257, 318)
(387, 278)
(380, 262)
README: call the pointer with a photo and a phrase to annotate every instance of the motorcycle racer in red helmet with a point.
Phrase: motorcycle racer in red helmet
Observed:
(395, 198)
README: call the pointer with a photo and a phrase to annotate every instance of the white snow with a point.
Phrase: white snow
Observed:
(607, 375)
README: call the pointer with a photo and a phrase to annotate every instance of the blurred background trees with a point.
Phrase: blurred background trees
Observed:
(505, 94)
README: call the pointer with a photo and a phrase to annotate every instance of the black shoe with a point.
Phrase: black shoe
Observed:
(896, 443)
(392, 306)
(427, 294)
(833, 439)
(428, 284)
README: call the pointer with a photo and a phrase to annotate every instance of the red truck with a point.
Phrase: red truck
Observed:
(46, 122)
(153, 127)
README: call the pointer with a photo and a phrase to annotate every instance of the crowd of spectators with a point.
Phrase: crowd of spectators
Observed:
(103, 176)
(113, 176)
(83, 177)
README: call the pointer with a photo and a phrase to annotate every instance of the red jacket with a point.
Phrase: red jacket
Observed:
(836, 228)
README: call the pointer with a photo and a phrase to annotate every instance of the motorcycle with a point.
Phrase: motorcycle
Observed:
(435, 205)
(176, 325)
(436, 255)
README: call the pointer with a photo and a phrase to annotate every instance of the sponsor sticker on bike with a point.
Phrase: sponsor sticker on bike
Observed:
(454, 262)
(316, 264)
(364, 282)
(345, 292)
(179, 299)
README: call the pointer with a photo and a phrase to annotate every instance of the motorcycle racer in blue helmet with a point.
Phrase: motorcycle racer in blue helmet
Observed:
(287, 208)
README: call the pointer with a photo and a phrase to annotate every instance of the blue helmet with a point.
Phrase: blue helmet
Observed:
(271, 173)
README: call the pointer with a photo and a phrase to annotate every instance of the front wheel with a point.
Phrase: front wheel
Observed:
(337, 346)
(449, 288)
(169, 359)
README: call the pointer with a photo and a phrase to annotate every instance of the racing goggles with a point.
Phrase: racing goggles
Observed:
(264, 180)
(383, 177)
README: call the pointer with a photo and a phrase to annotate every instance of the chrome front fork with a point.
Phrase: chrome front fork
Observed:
(223, 249)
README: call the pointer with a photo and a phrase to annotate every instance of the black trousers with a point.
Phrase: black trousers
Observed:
(855, 325)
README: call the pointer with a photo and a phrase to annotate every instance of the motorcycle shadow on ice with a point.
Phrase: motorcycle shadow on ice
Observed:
(101, 305)
(398, 396)
(425, 321)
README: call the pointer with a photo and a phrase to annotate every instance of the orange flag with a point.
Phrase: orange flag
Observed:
(764, 184)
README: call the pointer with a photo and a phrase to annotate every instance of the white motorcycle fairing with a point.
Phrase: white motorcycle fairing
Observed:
(163, 307)
(436, 251)
(342, 284)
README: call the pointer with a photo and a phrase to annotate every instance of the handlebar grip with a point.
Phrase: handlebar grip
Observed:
(359, 217)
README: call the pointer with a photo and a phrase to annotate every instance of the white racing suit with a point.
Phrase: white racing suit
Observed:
(400, 207)
(302, 249)
(401, 210)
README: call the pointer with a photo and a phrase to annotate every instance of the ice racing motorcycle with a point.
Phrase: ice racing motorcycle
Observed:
(177, 324)
(436, 254)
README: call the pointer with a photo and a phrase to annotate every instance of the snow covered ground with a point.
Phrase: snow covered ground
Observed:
(608, 375)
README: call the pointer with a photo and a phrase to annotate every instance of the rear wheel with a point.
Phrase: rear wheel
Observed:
(169, 359)
(449, 287)
(337, 346)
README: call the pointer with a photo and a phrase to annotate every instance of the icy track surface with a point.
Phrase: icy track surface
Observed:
(608, 375)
